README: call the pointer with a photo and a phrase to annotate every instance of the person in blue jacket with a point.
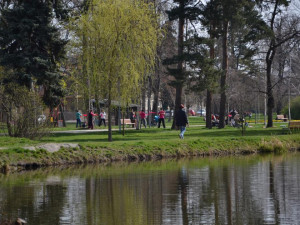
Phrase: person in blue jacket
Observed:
(78, 119)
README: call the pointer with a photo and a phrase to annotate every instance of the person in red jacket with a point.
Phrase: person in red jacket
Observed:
(143, 118)
(161, 114)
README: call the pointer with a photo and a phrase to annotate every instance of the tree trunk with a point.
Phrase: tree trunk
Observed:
(62, 115)
(155, 97)
(180, 79)
(178, 100)
(208, 109)
(269, 60)
(156, 87)
(149, 101)
(8, 121)
(270, 98)
(209, 92)
(224, 75)
(144, 94)
(109, 113)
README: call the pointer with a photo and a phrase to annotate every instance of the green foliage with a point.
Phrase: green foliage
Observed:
(21, 109)
(118, 40)
(183, 10)
(186, 8)
(31, 47)
(203, 74)
(274, 145)
(246, 26)
(295, 109)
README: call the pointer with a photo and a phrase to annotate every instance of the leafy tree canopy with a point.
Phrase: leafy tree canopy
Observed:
(118, 39)
(31, 47)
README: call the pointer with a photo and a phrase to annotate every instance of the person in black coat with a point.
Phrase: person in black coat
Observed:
(90, 119)
(181, 121)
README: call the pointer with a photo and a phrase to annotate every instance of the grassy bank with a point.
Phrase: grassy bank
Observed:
(145, 144)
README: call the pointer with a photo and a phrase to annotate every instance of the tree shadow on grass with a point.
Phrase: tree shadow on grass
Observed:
(234, 133)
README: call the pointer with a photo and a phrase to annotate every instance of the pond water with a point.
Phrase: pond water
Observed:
(225, 190)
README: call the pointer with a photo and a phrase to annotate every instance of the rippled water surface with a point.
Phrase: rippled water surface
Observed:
(227, 190)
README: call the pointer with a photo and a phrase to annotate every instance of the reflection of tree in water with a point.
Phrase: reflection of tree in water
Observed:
(273, 193)
(226, 192)
(52, 205)
(213, 197)
(41, 204)
(183, 182)
(124, 200)
(227, 183)
(229, 194)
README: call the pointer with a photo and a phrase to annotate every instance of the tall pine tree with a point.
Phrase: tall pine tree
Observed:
(184, 9)
(229, 17)
(31, 47)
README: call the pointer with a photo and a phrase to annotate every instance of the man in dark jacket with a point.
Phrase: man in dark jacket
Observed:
(90, 119)
(181, 121)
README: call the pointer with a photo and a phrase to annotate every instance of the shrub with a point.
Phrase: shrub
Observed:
(273, 145)
(295, 109)
(21, 108)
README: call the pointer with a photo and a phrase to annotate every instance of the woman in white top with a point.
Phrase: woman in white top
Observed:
(102, 118)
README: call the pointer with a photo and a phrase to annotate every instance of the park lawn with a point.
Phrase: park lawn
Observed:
(163, 139)
(153, 135)
(149, 143)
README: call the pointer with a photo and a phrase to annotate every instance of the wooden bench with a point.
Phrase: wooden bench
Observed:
(293, 125)
(127, 122)
(281, 117)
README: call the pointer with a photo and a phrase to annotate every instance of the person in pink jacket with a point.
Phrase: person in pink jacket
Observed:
(143, 118)
(161, 114)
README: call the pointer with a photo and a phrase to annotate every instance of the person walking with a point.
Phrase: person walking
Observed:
(143, 118)
(90, 119)
(181, 121)
(78, 119)
(161, 114)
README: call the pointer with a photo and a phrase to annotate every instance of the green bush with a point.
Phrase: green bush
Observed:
(295, 109)
(21, 108)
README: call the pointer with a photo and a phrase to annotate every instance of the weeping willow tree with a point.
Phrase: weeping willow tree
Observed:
(118, 39)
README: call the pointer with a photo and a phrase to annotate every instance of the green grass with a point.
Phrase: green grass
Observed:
(10, 142)
(151, 142)
(151, 136)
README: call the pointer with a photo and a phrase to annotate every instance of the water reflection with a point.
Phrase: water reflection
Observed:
(229, 190)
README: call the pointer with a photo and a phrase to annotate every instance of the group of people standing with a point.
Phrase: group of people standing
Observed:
(90, 119)
(180, 116)
(143, 115)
